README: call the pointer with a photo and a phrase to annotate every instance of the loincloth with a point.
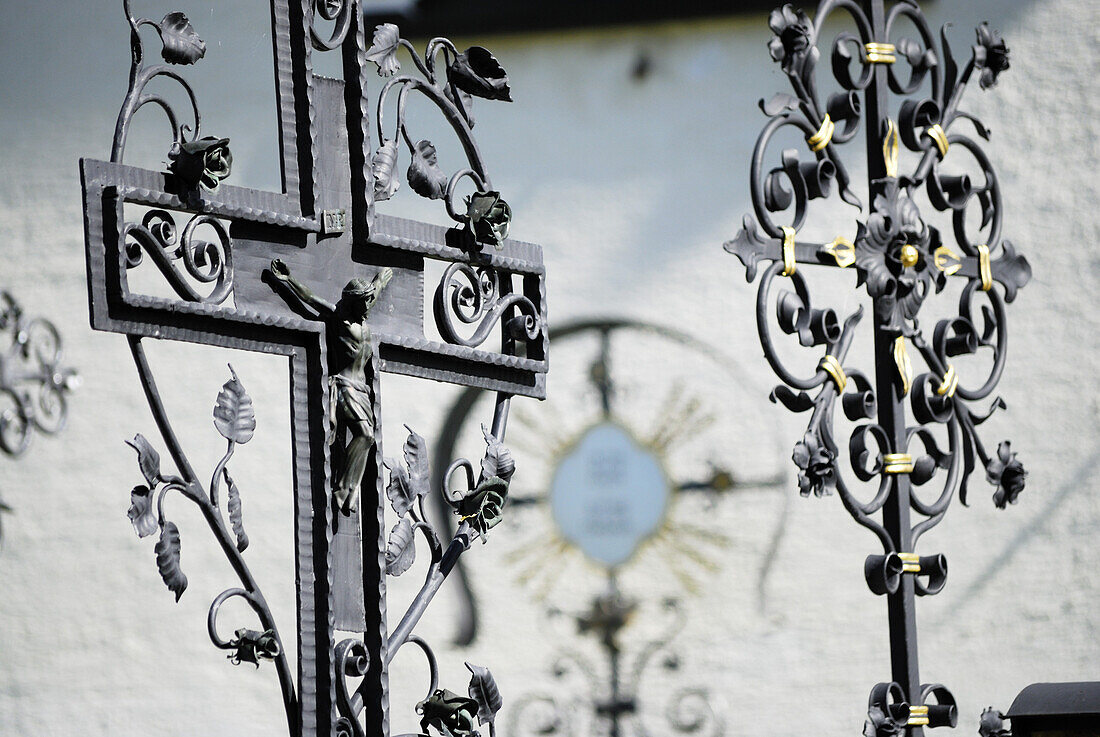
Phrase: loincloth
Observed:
(350, 401)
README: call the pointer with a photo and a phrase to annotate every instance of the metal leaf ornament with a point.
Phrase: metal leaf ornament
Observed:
(399, 490)
(181, 44)
(168, 560)
(477, 72)
(483, 690)
(233, 414)
(498, 458)
(489, 217)
(383, 50)
(401, 548)
(416, 456)
(235, 517)
(409, 482)
(382, 166)
(424, 175)
(148, 459)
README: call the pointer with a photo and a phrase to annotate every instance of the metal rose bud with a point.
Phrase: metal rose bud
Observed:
(991, 55)
(204, 162)
(489, 217)
(142, 512)
(383, 50)
(793, 39)
(181, 44)
(478, 72)
(1007, 473)
(250, 646)
(815, 464)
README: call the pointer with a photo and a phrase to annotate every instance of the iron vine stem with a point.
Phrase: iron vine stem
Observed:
(214, 520)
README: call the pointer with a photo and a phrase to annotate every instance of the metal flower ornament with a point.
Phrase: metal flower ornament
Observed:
(930, 221)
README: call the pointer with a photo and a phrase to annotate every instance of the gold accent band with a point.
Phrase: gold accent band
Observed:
(910, 563)
(832, 367)
(890, 148)
(843, 250)
(897, 463)
(948, 383)
(946, 260)
(985, 270)
(918, 716)
(937, 134)
(788, 251)
(824, 134)
(905, 366)
(880, 53)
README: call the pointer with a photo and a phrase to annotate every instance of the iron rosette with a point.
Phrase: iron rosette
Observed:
(897, 252)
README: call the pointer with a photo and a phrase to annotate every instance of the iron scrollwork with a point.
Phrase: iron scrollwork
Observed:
(33, 384)
(480, 508)
(474, 72)
(196, 163)
(902, 260)
(340, 13)
(204, 261)
(482, 295)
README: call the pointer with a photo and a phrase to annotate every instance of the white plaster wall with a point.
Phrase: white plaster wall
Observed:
(631, 188)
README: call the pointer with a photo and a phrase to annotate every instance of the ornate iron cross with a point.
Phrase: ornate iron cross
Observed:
(313, 273)
(903, 261)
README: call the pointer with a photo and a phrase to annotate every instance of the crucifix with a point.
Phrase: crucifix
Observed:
(314, 273)
(904, 261)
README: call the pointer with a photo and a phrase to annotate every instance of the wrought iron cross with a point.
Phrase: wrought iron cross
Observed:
(313, 273)
(903, 261)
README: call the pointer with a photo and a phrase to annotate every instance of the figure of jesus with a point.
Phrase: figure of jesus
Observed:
(351, 394)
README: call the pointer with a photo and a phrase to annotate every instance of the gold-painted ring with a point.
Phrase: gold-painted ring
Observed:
(880, 53)
(918, 716)
(897, 463)
(788, 251)
(910, 562)
(985, 269)
(824, 134)
(832, 367)
(949, 382)
(937, 134)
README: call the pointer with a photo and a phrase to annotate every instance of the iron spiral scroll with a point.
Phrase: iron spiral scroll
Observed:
(903, 260)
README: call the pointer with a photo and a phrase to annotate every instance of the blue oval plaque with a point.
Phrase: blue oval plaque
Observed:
(608, 494)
